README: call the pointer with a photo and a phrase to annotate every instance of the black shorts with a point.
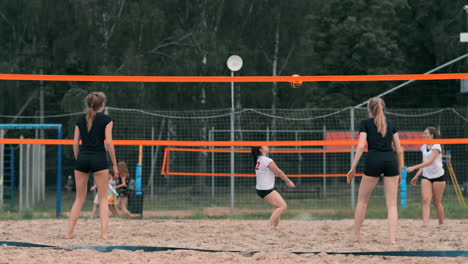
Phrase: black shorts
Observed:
(91, 162)
(438, 179)
(263, 193)
(379, 163)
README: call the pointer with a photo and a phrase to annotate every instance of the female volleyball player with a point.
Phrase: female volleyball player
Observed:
(92, 128)
(381, 160)
(265, 170)
(122, 188)
(433, 180)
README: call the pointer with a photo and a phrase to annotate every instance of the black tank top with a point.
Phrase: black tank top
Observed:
(93, 141)
(375, 141)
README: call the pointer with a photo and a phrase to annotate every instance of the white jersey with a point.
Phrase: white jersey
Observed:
(265, 176)
(436, 169)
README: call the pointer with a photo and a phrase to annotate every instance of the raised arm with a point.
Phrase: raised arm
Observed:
(76, 142)
(359, 150)
(110, 147)
(281, 174)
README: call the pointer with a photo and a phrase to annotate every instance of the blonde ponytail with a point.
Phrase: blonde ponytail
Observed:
(376, 109)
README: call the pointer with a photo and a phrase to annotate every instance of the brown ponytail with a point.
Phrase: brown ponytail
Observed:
(376, 109)
(94, 102)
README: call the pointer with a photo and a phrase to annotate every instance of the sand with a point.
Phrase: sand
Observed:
(243, 235)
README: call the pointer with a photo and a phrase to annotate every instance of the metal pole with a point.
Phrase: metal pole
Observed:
(21, 175)
(43, 183)
(353, 195)
(268, 134)
(152, 166)
(324, 164)
(232, 147)
(410, 81)
(1, 170)
(41, 107)
(28, 174)
(210, 138)
(58, 208)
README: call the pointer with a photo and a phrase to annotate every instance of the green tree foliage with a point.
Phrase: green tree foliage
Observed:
(179, 37)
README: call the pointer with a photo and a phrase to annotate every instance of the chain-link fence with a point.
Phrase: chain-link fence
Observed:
(197, 178)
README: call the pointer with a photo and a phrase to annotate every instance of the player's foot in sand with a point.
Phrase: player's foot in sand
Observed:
(69, 236)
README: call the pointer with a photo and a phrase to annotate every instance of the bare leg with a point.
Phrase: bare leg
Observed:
(391, 197)
(365, 191)
(81, 180)
(275, 199)
(426, 190)
(102, 182)
(123, 206)
(113, 210)
(438, 189)
(93, 213)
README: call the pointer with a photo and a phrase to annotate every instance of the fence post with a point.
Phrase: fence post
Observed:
(1, 170)
(324, 171)
(21, 175)
(211, 138)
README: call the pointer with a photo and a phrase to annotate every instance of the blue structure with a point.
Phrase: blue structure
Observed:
(58, 127)
(404, 188)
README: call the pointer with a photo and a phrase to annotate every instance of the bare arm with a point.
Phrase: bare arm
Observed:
(398, 150)
(419, 173)
(281, 174)
(359, 150)
(123, 184)
(76, 142)
(424, 164)
(110, 146)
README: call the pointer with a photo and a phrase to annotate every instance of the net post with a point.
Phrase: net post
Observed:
(324, 171)
(353, 195)
(21, 175)
(28, 174)
(58, 208)
(151, 181)
(1, 170)
(211, 138)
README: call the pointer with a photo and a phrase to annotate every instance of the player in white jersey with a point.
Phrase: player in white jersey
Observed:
(265, 171)
(433, 180)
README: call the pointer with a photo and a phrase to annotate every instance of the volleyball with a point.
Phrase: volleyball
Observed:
(296, 84)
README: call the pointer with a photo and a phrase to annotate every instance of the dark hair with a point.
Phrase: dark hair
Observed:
(255, 154)
(435, 135)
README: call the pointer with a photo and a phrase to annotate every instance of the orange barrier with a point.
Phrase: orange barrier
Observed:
(271, 151)
(225, 79)
(19, 141)
(167, 152)
(253, 175)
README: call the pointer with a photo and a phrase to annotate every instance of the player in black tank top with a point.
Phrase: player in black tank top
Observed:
(92, 128)
(379, 133)
(92, 156)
